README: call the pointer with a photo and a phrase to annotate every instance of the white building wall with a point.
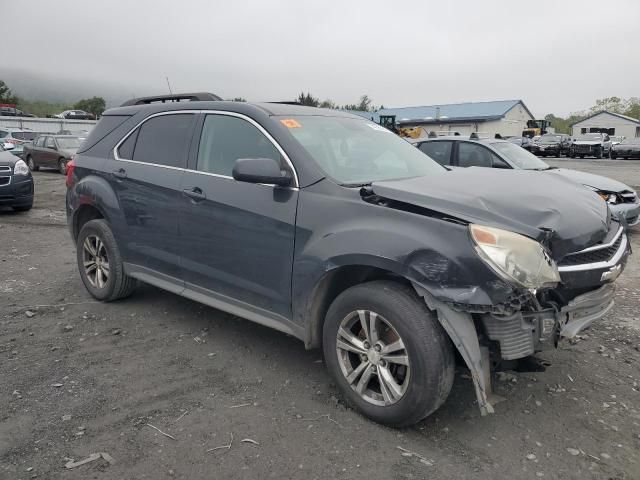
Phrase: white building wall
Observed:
(514, 122)
(46, 125)
(606, 120)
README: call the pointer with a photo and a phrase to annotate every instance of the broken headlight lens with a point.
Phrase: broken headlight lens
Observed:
(516, 257)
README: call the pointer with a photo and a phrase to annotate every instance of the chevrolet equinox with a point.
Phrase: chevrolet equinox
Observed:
(330, 228)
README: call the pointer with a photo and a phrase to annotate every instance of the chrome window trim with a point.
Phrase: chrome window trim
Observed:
(600, 247)
(214, 112)
(598, 265)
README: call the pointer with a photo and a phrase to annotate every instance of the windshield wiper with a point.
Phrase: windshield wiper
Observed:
(356, 185)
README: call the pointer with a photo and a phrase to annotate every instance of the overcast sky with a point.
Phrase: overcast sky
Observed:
(554, 55)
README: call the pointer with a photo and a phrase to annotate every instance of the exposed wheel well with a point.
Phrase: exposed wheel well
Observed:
(85, 213)
(333, 284)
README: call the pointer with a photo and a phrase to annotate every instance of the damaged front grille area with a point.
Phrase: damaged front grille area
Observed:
(596, 256)
(600, 254)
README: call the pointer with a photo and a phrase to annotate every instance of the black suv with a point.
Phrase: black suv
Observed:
(332, 229)
(16, 182)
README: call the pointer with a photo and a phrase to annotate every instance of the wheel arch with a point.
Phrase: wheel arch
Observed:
(332, 284)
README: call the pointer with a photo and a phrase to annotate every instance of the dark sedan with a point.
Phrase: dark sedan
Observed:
(551, 145)
(628, 148)
(51, 151)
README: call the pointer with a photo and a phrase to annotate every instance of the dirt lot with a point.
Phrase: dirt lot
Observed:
(79, 377)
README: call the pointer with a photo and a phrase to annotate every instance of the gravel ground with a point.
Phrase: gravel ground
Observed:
(80, 377)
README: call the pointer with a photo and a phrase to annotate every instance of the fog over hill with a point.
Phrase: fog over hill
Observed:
(61, 88)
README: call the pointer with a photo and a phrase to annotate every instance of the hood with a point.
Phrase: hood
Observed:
(8, 158)
(626, 146)
(551, 209)
(588, 142)
(589, 179)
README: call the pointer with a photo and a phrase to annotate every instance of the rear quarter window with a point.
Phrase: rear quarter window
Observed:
(106, 125)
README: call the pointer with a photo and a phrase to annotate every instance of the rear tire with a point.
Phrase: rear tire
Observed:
(31, 163)
(399, 317)
(100, 263)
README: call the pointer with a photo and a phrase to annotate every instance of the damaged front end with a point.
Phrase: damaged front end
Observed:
(536, 319)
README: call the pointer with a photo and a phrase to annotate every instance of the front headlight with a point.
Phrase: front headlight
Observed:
(610, 198)
(20, 168)
(516, 257)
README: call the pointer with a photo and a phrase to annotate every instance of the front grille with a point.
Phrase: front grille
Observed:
(582, 148)
(595, 254)
(5, 168)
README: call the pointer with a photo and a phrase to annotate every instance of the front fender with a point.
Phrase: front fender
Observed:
(440, 259)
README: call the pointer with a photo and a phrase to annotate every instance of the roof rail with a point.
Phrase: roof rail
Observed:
(178, 97)
(473, 136)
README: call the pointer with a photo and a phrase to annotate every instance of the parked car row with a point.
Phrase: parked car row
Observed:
(227, 203)
(597, 145)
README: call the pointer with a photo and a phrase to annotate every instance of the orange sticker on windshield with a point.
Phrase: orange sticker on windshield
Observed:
(290, 123)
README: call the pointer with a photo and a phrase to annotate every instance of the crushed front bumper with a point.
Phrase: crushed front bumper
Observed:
(524, 333)
(585, 309)
(629, 211)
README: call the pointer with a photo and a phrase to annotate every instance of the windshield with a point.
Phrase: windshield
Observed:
(519, 156)
(357, 152)
(549, 139)
(590, 137)
(631, 141)
(68, 142)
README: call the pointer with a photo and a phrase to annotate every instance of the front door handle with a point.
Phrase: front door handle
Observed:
(194, 193)
(120, 173)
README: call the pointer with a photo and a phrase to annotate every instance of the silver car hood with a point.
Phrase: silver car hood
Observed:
(597, 182)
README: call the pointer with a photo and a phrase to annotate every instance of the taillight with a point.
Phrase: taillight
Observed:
(71, 165)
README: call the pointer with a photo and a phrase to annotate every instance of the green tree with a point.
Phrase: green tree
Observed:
(6, 96)
(365, 103)
(610, 104)
(95, 105)
(633, 108)
(308, 100)
(328, 104)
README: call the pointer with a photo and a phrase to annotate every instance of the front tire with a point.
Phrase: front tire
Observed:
(388, 353)
(100, 263)
(31, 163)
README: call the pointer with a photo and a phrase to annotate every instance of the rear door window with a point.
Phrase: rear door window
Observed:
(40, 142)
(475, 155)
(164, 140)
(438, 151)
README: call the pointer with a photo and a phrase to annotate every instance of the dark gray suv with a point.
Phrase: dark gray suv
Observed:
(332, 229)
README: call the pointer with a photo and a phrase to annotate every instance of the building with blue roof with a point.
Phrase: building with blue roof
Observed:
(504, 117)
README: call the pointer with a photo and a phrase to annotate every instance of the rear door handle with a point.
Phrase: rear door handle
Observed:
(195, 193)
(120, 173)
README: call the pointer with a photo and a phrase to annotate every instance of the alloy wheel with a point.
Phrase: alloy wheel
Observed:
(95, 261)
(373, 358)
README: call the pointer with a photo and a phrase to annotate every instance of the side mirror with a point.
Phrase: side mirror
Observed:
(261, 170)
